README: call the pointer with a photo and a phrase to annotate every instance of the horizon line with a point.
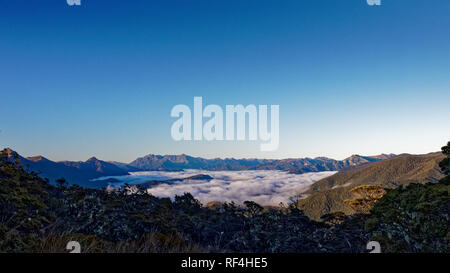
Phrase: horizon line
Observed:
(212, 158)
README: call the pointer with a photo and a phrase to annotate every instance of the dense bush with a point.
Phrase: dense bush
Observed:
(38, 217)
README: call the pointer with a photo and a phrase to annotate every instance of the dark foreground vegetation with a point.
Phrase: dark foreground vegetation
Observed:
(38, 217)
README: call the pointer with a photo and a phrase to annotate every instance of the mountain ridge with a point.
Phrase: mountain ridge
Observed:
(80, 172)
(153, 162)
(328, 195)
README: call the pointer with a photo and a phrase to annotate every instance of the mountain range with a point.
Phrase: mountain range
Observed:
(79, 173)
(83, 172)
(296, 165)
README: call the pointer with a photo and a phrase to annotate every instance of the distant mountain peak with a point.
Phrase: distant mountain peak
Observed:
(9, 152)
(37, 158)
(322, 158)
(92, 159)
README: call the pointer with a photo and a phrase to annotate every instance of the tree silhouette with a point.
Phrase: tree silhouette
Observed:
(61, 182)
(445, 164)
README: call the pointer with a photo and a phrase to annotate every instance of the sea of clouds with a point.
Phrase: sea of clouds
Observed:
(262, 186)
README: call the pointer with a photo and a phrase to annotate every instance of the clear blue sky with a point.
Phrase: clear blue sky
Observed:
(101, 79)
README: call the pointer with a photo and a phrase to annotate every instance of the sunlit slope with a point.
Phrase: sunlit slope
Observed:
(328, 194)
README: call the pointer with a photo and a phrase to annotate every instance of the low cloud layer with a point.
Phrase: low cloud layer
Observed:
(263, 187)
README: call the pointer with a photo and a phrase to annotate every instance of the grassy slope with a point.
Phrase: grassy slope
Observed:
(327, 195)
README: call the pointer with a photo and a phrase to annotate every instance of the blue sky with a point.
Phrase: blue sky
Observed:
(100, 79)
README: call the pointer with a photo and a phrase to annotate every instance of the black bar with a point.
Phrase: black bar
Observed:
(148, 263)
